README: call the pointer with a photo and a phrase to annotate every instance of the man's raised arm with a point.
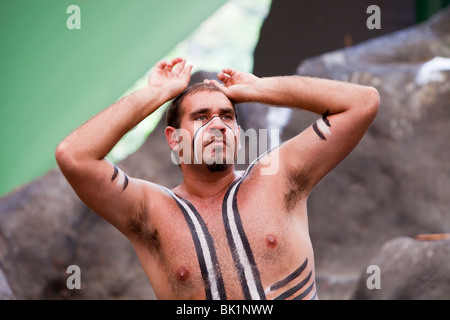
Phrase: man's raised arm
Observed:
(346, 110)
(81, 155)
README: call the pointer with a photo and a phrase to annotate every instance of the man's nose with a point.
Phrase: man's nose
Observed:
(217, 124)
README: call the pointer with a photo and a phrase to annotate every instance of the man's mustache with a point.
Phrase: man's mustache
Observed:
(218, 137)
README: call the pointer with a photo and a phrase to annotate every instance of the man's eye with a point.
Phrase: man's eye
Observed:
(226, 117)
(201, 118)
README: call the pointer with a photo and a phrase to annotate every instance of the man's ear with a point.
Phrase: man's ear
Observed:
(173, 138)
(180, 142)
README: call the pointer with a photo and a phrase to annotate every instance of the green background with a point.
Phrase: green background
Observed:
(53, 79)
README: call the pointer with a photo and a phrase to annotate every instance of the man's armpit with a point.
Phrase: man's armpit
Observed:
(297, 185)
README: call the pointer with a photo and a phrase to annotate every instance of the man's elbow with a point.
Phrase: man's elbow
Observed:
(374, 100)
(371, 102)
(64, 157)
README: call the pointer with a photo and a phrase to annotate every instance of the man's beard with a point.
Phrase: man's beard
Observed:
(219, 161)
(217, 167)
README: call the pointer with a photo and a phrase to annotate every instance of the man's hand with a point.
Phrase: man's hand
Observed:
(170, 77)
(236, 85)
(101, 185)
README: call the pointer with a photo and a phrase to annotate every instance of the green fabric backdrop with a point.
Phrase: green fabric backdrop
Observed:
(52, 79)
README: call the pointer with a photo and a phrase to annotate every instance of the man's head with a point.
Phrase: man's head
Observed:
(174, 112)
(202, 127)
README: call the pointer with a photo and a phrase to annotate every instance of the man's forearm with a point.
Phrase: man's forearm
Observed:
(312, 94)
(96, 137)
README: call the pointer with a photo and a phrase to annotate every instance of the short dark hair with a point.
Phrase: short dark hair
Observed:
(174, 114)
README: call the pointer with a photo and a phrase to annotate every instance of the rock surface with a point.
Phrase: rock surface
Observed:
(410, 269)
(5, 290)
(45, 228)
(395, 183)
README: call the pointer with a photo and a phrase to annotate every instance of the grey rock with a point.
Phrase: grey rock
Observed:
(5, 290)
(396, 182)
(409, 269)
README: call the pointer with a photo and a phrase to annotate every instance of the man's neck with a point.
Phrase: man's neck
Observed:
(201, 183)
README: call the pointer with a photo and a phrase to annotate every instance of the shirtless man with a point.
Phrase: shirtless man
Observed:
(221, 234)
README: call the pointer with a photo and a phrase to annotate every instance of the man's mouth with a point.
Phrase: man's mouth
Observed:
(216, 141)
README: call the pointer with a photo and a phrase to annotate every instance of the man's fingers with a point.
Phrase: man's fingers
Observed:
(223, 77)
(229, 71)
(186, 73)
(162, 64)
(176, 60)
(188, 69)
(172, 63)
(214, 82)
(178, 65)
(168, 65)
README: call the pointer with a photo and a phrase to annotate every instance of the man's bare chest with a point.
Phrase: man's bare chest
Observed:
(231, 249)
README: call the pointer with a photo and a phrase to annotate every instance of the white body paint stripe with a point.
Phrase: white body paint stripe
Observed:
(323, 127)
(120, 178)
(212, 278)
(243, 258)
(242, 254)
(268, 291)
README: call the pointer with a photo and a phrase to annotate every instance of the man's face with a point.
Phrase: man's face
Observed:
(210, 120)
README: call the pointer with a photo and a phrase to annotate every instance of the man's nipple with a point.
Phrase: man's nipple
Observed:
(182, 273)
(271, 241)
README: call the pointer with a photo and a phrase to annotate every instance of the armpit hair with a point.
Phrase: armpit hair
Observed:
(297, 183)
(147, 236)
